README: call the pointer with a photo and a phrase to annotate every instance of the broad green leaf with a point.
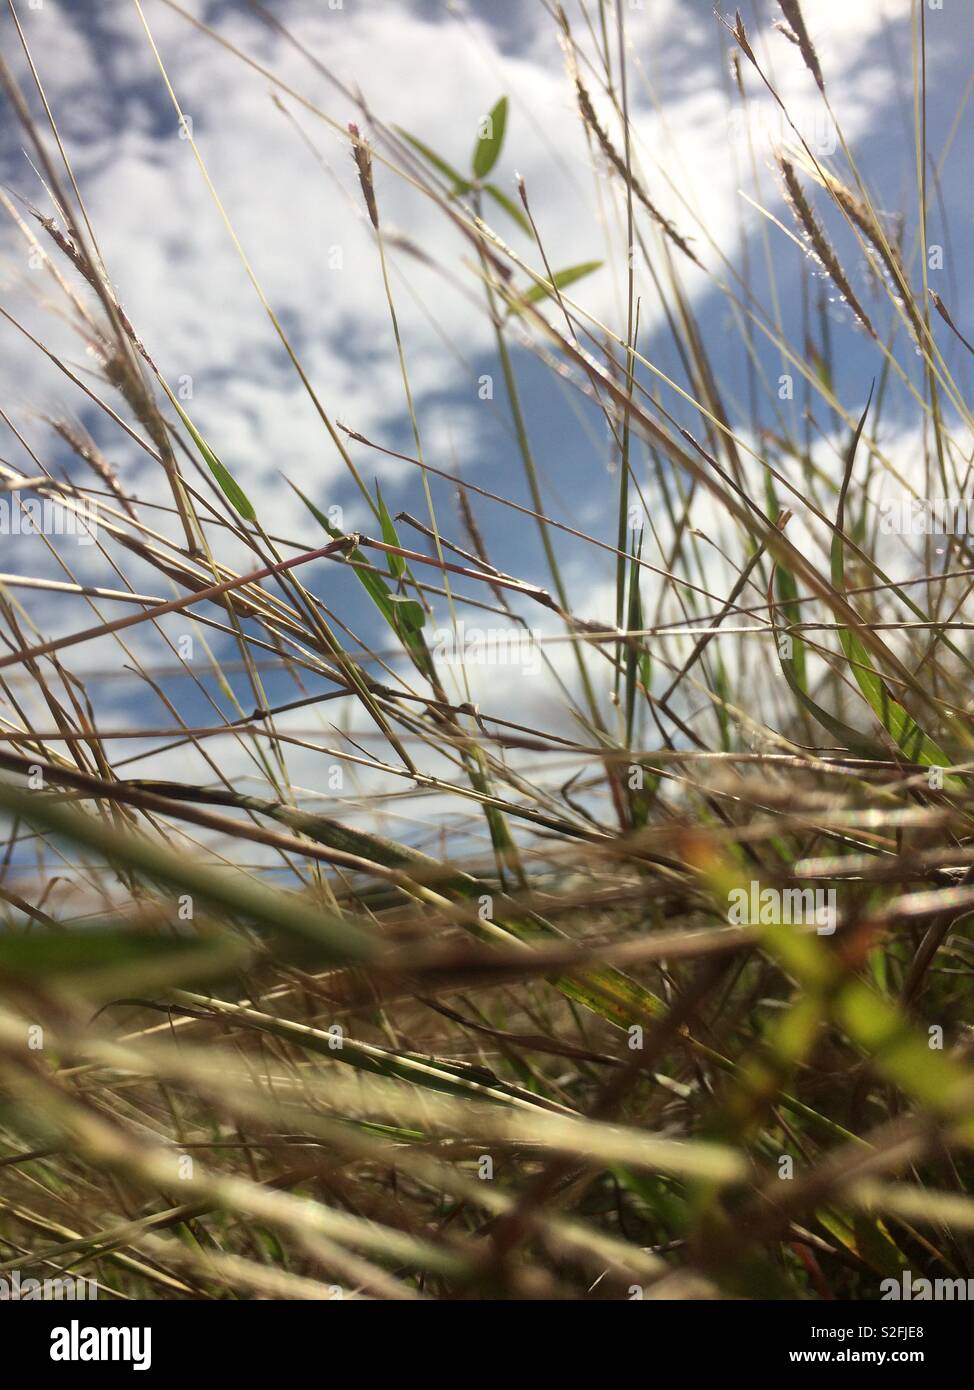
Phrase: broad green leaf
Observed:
(460, 184)
(408, 612)
(509, 206)
(409, 630)
(397, 564)
(559, 280)
(486, 151)
(235, 494)
(378, 589)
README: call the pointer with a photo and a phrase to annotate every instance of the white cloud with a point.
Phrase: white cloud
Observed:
(178, 273)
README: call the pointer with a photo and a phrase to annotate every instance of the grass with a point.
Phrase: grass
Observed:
(254, 1042)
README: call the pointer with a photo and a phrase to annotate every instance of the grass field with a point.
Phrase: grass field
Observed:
(501, 897)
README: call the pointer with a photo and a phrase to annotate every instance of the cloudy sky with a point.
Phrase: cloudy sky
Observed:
(434, 69)
(285, 179)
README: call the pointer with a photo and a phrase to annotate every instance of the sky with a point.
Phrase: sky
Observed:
(288, 187)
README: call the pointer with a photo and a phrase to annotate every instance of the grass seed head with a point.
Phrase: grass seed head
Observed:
(363, 163)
